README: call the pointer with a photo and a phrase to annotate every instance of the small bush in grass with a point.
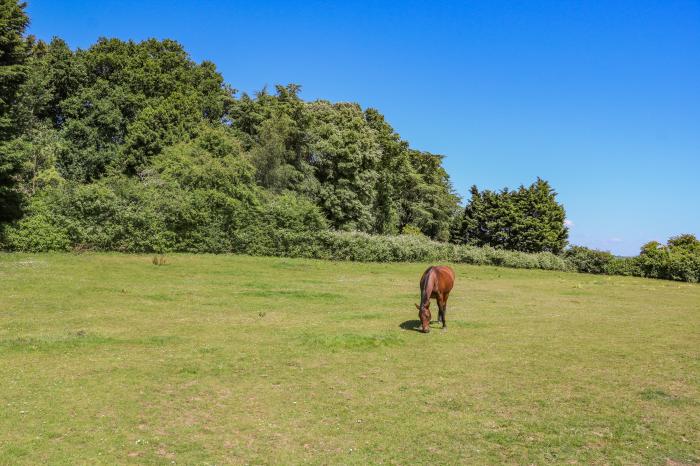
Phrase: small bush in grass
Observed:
(159, 260)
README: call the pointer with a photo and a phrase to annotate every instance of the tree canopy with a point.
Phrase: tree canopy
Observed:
(120, 108)
(13, 74)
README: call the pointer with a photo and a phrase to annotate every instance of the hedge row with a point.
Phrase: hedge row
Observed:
(362, 247)
(679, 260)
(156, 227)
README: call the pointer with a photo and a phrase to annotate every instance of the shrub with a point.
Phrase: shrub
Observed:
(42, 229)
(678, 260)
(626, 266)
(588, 260)
(411, 230)
(290, 211)
(37, 233)
(683, 266)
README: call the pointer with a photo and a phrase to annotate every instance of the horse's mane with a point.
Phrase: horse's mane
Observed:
(423, 285)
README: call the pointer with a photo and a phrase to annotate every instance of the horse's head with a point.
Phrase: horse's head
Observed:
(424, 316)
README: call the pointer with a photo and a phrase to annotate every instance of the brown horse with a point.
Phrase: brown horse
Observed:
(436, 282)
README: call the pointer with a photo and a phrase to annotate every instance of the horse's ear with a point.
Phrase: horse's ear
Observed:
(417, 306)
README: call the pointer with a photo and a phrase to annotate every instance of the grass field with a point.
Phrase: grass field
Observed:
(107, 358)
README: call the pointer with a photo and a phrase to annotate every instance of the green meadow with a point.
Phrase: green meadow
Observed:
(220, 359)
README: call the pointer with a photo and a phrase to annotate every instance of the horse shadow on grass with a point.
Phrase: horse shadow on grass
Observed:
(413, 324)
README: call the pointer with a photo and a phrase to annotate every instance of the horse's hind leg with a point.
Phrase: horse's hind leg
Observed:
(442, 305)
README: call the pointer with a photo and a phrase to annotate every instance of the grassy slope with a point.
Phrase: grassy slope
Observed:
(218, 359)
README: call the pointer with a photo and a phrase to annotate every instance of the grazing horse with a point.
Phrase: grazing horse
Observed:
(436, 282)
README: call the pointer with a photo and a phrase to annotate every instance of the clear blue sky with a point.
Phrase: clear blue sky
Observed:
(600, 98)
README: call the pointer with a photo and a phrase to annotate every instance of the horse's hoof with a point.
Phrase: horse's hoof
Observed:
(426, 330)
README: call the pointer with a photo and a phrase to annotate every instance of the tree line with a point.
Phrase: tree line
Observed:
(121, 111)
(133, 146)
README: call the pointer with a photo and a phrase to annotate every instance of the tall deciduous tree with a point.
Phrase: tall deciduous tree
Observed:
(345, 156)
(13, 50)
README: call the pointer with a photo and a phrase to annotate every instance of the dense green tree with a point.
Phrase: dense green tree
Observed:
(394, 173)
(271, 156)
(488, 218)
(118, 104)
(413, 190)
(275, 131)
(350, 162)
(13, 51)
(427, 200)
(211, 161)
(38, 149)
(527, 219)
(344, 155)
(540, 222)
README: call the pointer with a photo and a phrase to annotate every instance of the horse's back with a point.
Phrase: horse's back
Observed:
(446, 278)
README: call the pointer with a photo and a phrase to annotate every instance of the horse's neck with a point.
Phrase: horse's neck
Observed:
(429, 286)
